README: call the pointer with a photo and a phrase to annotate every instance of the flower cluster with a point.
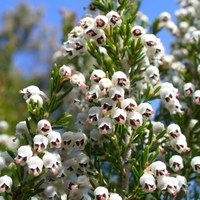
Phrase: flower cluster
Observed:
(157, 176)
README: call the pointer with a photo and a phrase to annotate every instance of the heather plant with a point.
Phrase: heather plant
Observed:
(112, 143)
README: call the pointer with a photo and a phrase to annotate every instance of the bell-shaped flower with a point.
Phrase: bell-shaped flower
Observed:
(71, 182)
(71, 166)
(116, 93)
(174, 131)
(114, 18)
(119, 116)
(76, 32)
(179, 144)
(147, 181)
(78, 80)
(32, 90)
(101, 193)
(168, 96)
(65, 72)
(67, 140)
(189, 89)
(97, 75)
(83, 161)
(104, 85)
(101, 21)
(40, 143)
(35, 165)
(21, 128)
(107, 105)
(164, 18)
(146, 110)
(135, 119)
(114, 196)
(168, 184)
(182, 182)
(54, 139)
(93, 94)
(83, 182)
(158, 127)
(5, 183)
(23, 155)
(105, 125)
(91, 32)
(129, 104)
(176, 163)
(44, 127)
(195, 163)
(95, 137)
(100, 39)
(93, 115)
(120, 79)
(152, 74)
(51, 163)
(196, 97)
(158, 168)
(50, 192)
(137, 31)
(80, 140)
(86, 22)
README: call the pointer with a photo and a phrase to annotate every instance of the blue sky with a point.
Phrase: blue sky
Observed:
(152, 8)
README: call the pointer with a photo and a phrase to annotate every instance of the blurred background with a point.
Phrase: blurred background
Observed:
(31, 33)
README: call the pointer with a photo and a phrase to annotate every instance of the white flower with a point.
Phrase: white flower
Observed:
(114, 18)
(176, 163)
(32, 90)
(149, 40)
(65, 72)
(135, 119)
(195, 163)
(71, 166)
(195, 36)
(146, 110)
(101, 21)
(159, 168)
(119, 115)
(137, 31)
(35, 165)
(129, 104)
(174, 130)
(147, 181)
(21, 128)
(114, 196)
(164, 17)
(172, 28)
(158, 127)
(167, 95)
(67, 140)
(179, 144)
(3, 126)
(106, 105)
(189, 89)
(196, 97)
(71, 182)
(44, 127)
(152, 74)
(100, 38)
(51, 163)
(54, 139)
(182, 182)
(92, 32)
(40, 143)
(76, 32)
(78, 80)
(83, 161)
(101, 193)
(50, 191)
(168, 184)
(83, 182)
(23, 155)
(95, 137)
(80, 140)
(5, 183)
(97, 75)
(85, 22)
(120, 79)
(93, 115)
(116, 93)
(105, 125)
(93, 94)
(104, 85)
